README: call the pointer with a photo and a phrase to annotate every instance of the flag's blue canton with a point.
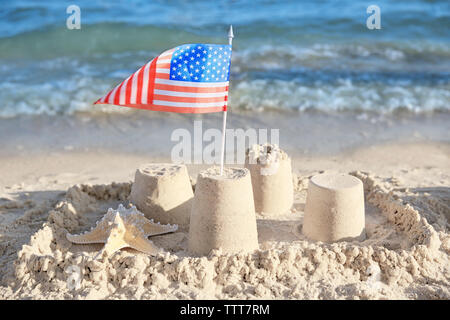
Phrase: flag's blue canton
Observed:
(201, 63)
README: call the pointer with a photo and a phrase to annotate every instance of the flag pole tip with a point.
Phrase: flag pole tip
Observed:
(230, 32)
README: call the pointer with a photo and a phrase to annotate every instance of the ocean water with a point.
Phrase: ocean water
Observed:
(287, 55)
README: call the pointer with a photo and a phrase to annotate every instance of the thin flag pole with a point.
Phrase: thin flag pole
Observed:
(224, 126)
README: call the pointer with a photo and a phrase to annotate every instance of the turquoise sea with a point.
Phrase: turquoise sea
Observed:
(287, 55)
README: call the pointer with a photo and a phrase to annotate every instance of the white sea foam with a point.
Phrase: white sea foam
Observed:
(328, 77)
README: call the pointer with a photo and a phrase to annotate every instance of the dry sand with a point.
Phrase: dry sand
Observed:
(271, 173)
(405, 255)
(163, 192)
(334, 209)
(223, 212)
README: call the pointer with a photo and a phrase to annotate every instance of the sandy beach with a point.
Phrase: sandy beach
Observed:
(332, 120)
(44, 193)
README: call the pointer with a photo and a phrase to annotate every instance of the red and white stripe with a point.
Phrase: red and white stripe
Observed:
(150, 88)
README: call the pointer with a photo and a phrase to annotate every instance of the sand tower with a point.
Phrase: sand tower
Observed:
(223, 212)
(271, 173)
(334, 209)
(163, 192)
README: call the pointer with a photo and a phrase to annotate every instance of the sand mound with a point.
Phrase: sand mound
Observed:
(162, 191)
(404, 256)
(334, 209)
(223, 213)
(271, 173)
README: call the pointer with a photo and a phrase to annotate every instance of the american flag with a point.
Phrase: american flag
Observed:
(191, 78)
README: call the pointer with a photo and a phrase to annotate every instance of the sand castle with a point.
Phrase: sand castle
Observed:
(271, 174)
(334, 209)
(221, 215)
(163, 192)
(401, 243)
(223, 212)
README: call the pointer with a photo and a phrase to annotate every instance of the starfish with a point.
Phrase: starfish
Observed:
(123, 228)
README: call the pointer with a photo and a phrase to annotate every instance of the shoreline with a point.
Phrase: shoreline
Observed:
(149, 133)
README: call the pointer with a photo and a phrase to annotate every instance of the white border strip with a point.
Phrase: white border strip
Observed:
(161, 70)
(190, 94)
(144, 95)
(188, 104)
(191, 84)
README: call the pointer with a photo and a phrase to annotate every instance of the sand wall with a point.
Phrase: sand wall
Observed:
(296, 269)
